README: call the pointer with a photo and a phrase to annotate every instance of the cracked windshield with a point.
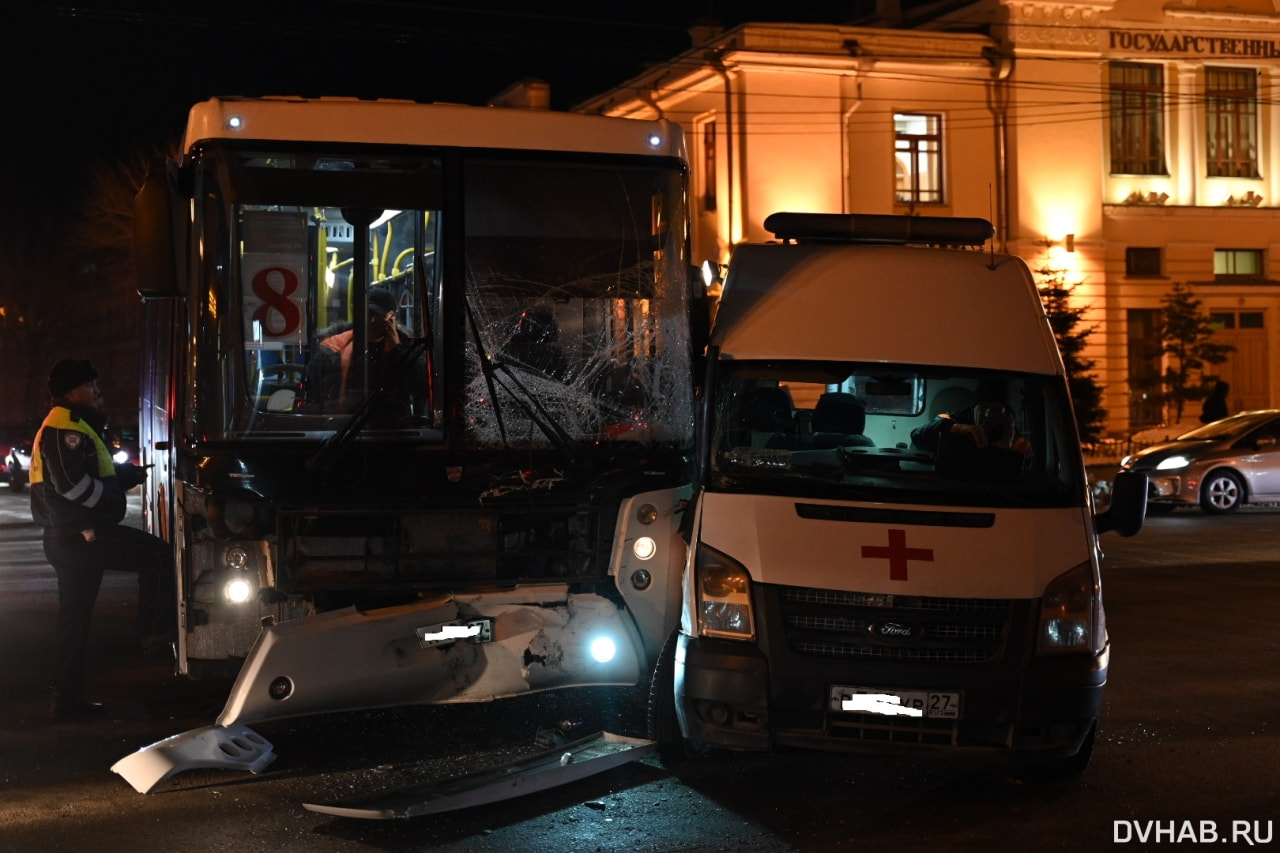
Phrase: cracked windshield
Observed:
(571, 325)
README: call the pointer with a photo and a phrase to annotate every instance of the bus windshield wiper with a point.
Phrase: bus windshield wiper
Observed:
(525, 399)
(332, 447)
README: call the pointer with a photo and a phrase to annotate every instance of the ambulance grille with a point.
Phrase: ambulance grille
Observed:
(894, 628)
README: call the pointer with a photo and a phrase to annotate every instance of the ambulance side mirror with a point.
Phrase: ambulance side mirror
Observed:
(1128, 508)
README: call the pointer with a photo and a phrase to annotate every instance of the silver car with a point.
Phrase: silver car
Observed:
(1221, 465)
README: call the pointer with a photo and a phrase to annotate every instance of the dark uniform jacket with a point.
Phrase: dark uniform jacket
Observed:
(74, 483)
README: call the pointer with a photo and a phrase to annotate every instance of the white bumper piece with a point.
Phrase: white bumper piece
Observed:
(211, 747)
(452, 649)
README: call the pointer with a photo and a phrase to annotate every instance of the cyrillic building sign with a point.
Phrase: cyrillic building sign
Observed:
(1252, 48)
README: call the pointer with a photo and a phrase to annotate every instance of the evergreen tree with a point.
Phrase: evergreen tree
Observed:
(1065, 319)
(1186, 340)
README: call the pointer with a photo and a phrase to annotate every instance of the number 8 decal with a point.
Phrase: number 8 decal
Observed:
(277, 303)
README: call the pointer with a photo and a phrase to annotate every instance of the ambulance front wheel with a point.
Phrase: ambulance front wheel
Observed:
(663, 724)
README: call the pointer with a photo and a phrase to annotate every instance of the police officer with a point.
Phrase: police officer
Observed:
(78, 497)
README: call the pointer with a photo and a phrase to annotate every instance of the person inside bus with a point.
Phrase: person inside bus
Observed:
(78, 497)
(331, 385)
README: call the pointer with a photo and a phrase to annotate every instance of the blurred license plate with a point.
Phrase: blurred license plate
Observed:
(895, 703)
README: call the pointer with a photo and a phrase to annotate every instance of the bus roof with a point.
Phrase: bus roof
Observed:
(397, 122)
(899, 304)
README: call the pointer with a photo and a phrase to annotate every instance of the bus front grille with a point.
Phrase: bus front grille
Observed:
(335, 549)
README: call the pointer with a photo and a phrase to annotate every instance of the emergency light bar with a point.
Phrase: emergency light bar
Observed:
(880, 228)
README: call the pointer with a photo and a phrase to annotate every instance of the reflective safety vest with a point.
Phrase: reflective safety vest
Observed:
(59, 417)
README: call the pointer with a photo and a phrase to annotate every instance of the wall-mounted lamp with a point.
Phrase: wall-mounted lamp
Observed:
(1068, 243)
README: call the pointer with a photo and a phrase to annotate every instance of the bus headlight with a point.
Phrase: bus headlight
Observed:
(603, 649)
(236, 557)
(644, 548)
(724, 596)
(238, 590)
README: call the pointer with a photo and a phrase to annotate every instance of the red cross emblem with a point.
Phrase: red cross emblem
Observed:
(897, 553)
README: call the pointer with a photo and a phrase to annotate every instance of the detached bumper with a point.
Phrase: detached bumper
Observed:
(452, 649)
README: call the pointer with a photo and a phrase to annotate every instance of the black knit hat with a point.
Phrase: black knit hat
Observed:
(381, 301)
(69, 374)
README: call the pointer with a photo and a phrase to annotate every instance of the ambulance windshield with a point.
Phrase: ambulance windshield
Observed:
(894, 433)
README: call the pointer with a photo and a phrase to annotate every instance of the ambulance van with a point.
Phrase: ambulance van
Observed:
(894, 546)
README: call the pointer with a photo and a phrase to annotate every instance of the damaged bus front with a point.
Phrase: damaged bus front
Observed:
(417, 390)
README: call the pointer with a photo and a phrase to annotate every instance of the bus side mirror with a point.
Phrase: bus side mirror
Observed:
(157, 245)
(1128, 507)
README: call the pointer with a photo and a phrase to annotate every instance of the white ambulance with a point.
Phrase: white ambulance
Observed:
(894, 545)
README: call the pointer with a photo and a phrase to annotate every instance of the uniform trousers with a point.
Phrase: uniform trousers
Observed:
(79, 565)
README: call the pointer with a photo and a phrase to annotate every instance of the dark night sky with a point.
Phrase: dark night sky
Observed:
(82, 83)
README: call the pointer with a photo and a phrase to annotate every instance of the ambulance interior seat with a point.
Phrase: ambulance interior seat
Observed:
(838, 421)
(953, 398)
(769, 415)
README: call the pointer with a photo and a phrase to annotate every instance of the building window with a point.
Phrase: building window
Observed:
(1227, 320)
(709, 176)
(1235, 264)
(917, 144)
(1231, 122)
(1137, 119)
(1141, 262)
(1144, 349)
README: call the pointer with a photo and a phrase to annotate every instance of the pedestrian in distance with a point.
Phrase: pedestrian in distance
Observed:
(78, 497)
(1215, 405)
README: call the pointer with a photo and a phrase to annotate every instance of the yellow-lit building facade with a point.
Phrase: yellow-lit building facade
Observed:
(1124, 146)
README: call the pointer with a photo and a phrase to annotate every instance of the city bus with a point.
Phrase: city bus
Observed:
(493, 505)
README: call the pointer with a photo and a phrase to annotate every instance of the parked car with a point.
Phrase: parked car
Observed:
(123, 442)
(1221, 466)
(15, 459)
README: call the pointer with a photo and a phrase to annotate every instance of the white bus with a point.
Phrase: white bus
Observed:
(492, 505)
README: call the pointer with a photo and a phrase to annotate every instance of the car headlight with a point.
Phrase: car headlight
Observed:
(1173, 463)
(724, 596)
(1070, 616)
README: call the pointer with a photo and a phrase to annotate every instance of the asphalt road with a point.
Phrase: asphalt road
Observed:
(1189, 747)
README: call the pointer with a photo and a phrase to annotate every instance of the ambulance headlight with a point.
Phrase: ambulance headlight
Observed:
(723, 596)
(603, 649)
(1070, 615)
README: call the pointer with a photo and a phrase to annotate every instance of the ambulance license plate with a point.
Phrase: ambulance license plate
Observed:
(891, 702)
